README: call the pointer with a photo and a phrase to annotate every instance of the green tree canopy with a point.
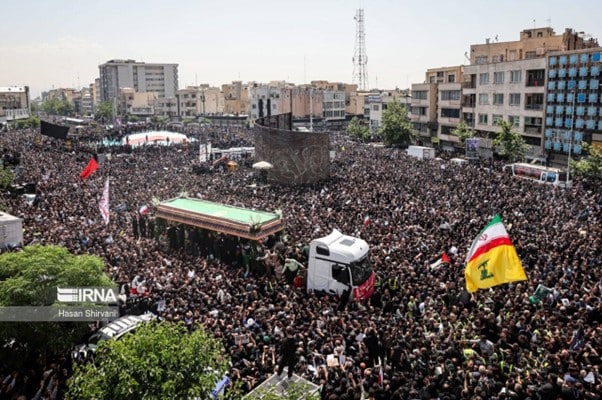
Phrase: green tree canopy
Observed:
(29, 278)
(56, 106)
(356, 129)
(6, 177)
(590, 167)
(160, 360)
(510, 143)
(463, 132)
(396, 128)
(31, 122)
(104, 111)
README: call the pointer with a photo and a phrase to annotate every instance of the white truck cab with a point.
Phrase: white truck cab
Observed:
(339, 262)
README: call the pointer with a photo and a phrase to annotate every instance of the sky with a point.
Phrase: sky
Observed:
(49, 44)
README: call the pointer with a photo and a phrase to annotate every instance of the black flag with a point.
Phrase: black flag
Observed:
(55, 131)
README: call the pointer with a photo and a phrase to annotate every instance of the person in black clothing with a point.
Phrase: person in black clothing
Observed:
(288, 350)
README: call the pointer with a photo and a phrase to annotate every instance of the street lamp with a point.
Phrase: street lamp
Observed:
(568, 168)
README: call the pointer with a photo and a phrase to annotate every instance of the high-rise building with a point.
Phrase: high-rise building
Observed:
(161, 79)
(573, 113)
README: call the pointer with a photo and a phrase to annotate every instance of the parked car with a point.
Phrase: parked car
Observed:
(112, 331)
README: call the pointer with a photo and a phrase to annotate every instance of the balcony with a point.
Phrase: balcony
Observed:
(533, 130)
(534, 107)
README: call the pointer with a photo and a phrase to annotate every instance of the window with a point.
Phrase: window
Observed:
(484, 78)
(451, 78)
(419, 94)
(530, 55)
(496, 119)
(483, 98)
(340, 273)
(481, 60)
(515, 99)
(498, 77)
(450, 113)
(483, 119)
(498, 99)
(439, 74)
(375, 107)
(450, 95)
(514, 121)
(515, 76)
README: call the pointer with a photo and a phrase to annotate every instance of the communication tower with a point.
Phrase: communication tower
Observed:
(360, 59)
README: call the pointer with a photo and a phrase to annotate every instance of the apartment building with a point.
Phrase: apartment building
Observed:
(573, 110)
(236, 98)
(436, 106)
(507, 81)
(533, 43)
(134, 103)
(166, 107)
(269, 99)
(307, 100)
(14, 103)
(333, 105)
(200, 100)
(377, 103)
(161, 79)
(510, 91)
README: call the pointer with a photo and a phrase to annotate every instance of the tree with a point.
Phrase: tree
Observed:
(358, 130)
(590, 167)
(6, 177)
(510, 143)
(160, 360)
(104, 112)
(30, 278)
(56, 106)
(396, 128)
(31, 122)
(463, 132)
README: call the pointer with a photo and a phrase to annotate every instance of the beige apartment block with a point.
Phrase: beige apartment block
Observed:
(236, 97)
(533, 43)
(424, 109)
(135, 103)
(444, 74)
(200, 100)
(307, 100)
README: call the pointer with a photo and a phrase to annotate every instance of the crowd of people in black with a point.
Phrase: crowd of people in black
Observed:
(419, 336)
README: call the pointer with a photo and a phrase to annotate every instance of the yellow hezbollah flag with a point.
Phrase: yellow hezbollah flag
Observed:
(492, 259)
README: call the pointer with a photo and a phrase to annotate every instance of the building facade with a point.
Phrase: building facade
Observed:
(161, 79)
(424, 111)
(14, 103)
(510, 91)
(573, 110)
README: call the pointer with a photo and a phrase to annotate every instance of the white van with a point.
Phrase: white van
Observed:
(114, 330)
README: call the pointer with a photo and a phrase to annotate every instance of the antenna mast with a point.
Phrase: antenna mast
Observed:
(360, 59)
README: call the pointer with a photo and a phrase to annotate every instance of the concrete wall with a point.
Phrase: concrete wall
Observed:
(297, 157)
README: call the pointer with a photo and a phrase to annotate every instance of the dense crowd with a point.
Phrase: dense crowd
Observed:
(420, 336)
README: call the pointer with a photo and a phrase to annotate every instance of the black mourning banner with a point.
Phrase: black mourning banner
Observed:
(55, 131)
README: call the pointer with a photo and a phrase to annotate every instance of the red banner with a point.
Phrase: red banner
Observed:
(366, 289)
